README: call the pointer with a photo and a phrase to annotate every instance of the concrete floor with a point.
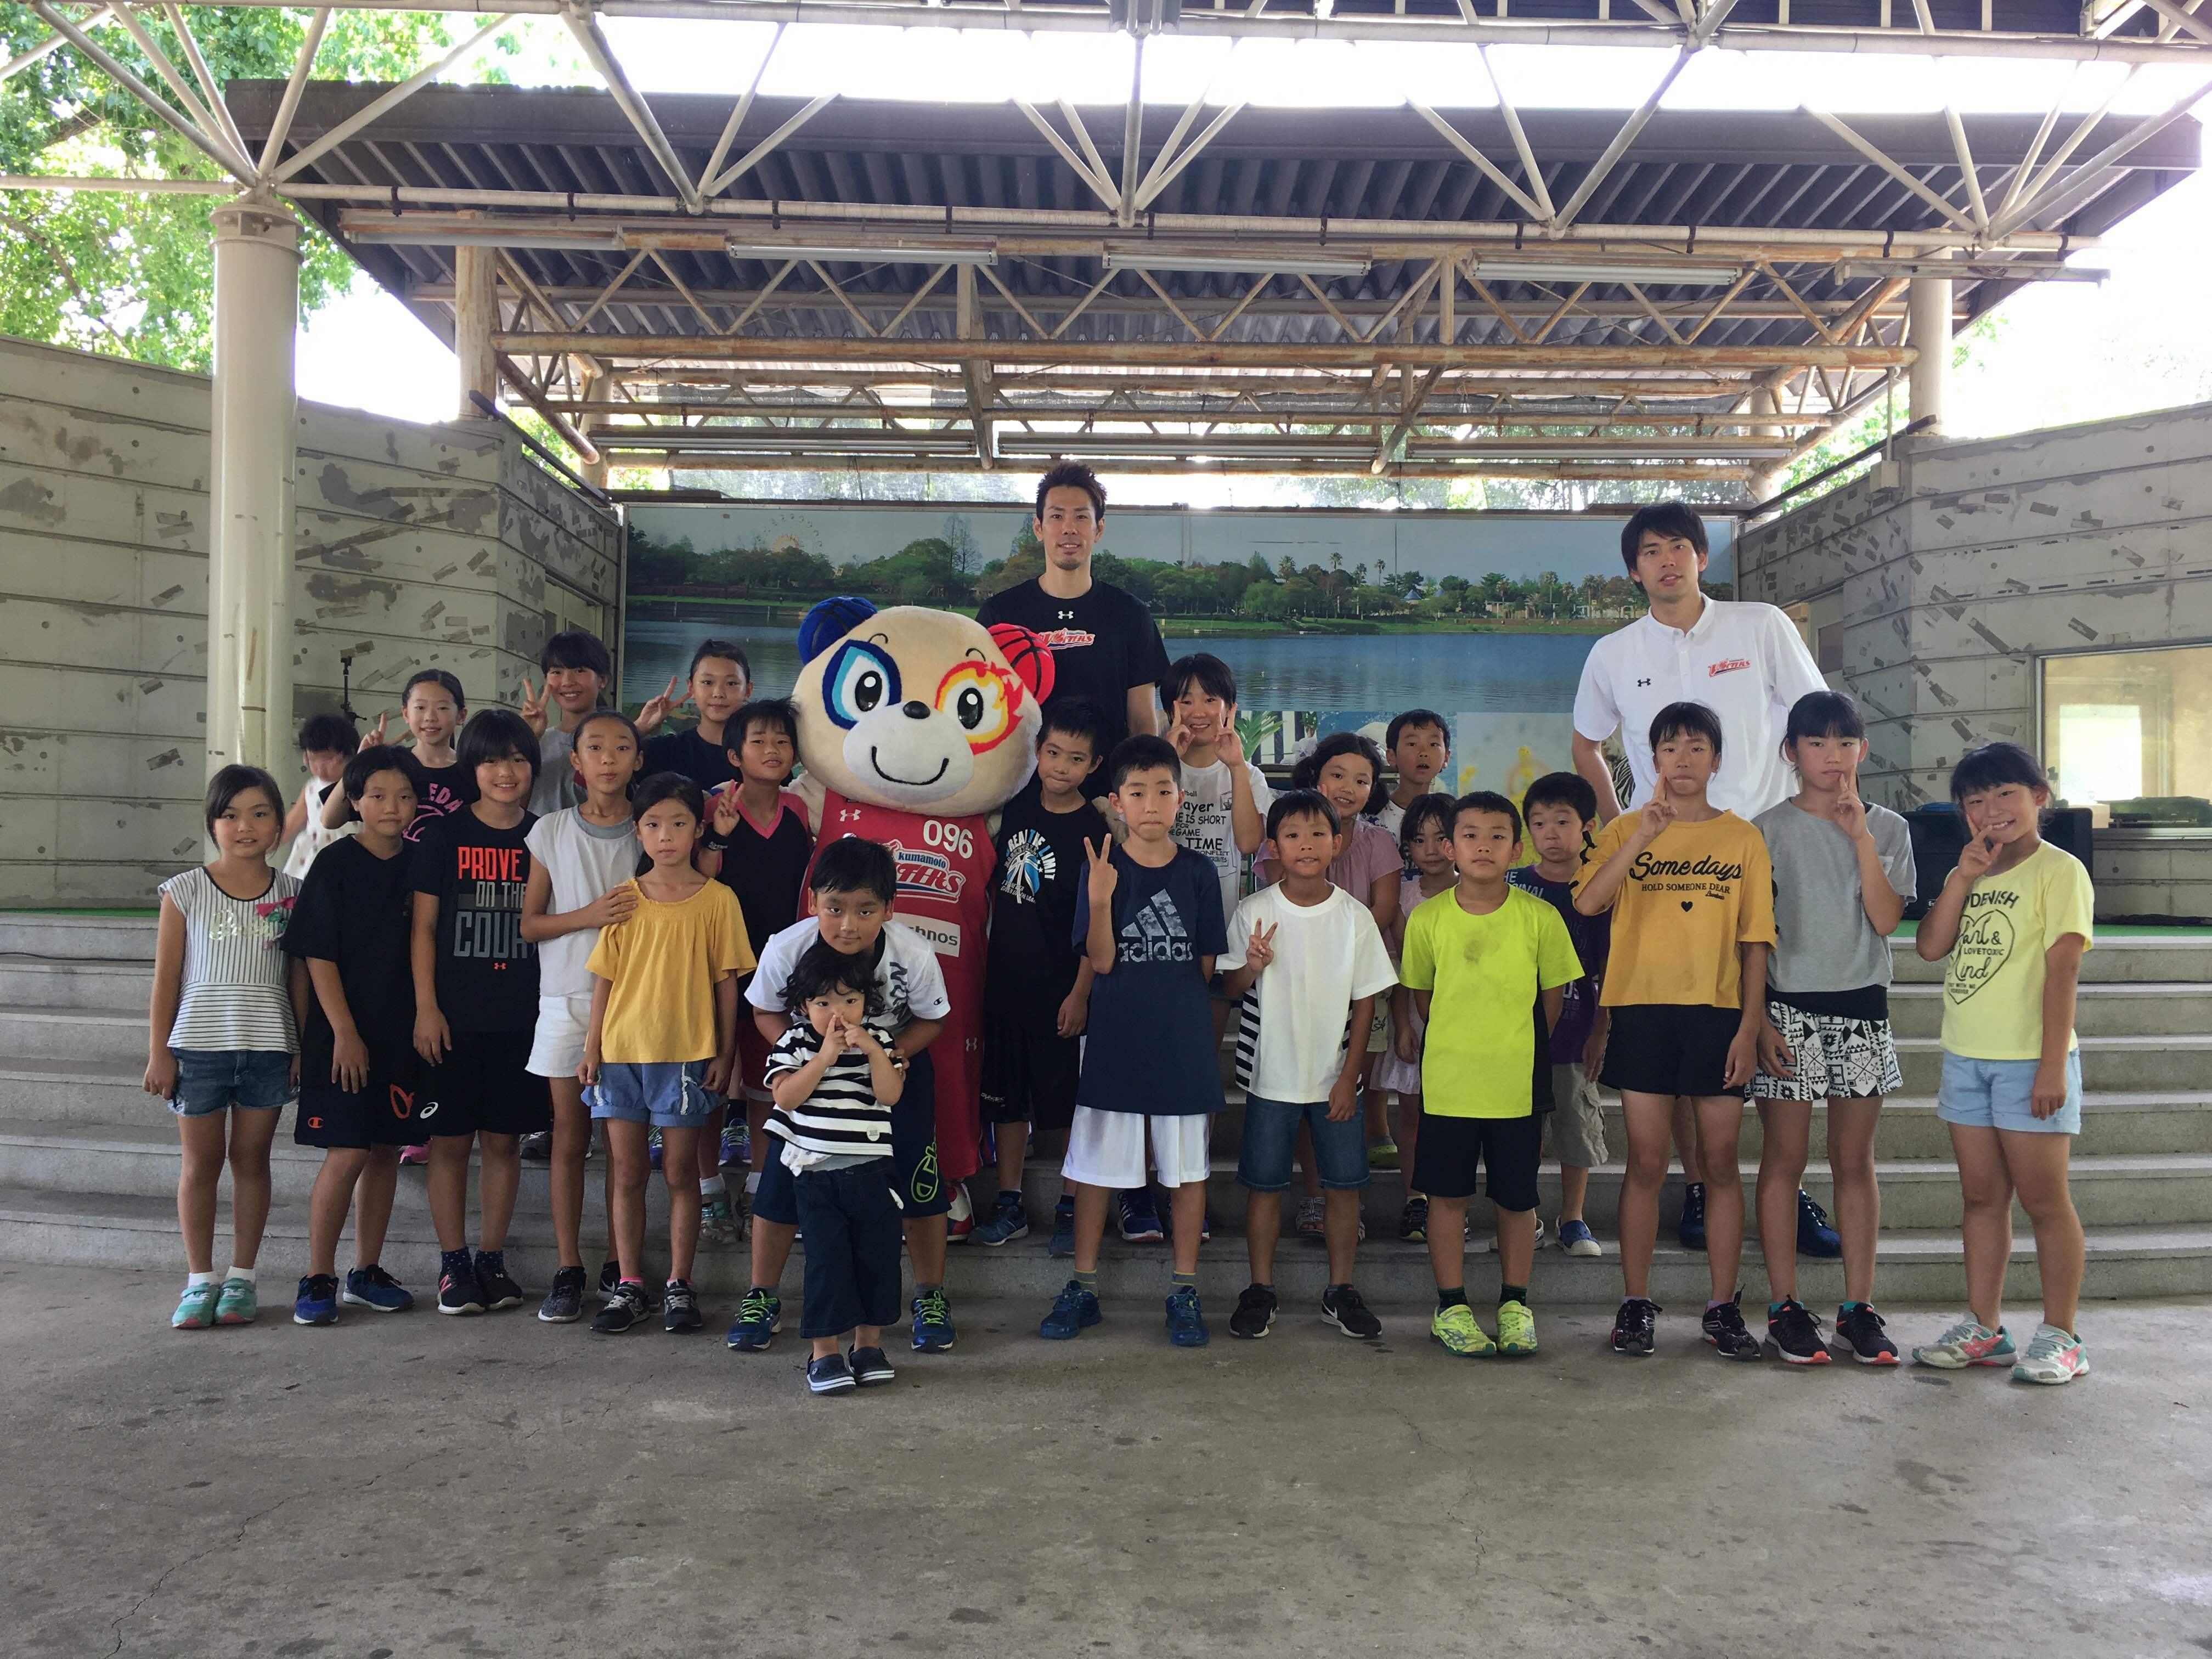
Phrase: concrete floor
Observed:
(417, 1486)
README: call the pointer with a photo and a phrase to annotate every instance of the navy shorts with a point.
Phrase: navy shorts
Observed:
(382, 1113)
(921, 1191)
(1029, 1070)
(484, 1085)
(1507, 1150)
(209, 1079)
(1670, 1048)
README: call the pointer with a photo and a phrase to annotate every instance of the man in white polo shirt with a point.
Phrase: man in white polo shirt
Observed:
(1744, 662)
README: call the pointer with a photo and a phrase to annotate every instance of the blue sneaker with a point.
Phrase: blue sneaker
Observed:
(318, 1300)
(1062, 1247)
(1576, 1239)
(1137, 1216)
(1008, 1222)
(1691, 1229)
(760, 1316)
(653, 1148)
(932, 1323)
(1814, 1236)
(1186, 1324)
(737, 1143)
(373, 1287)
(1075, 1311)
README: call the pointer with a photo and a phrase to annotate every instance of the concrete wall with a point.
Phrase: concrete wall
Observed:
(1936, 582)
(417, 546)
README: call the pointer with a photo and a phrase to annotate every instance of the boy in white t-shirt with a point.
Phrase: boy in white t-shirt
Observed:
(1308, 961)
(1418, 745)
(1224, 796)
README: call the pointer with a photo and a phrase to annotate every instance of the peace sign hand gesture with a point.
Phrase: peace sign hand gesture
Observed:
(1179, 735)
(650, 717)
(374, 737)
(1104, 878)
(724, 802)
(1260, 949)
(1229, 746)
(1850, 811)
(533, 708)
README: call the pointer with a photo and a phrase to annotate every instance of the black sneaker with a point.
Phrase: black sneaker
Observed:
(1791, 1329)
(1859, 1328)
(611, 1276)
(1724, 1329)
(1691, 1229)
(499, 1289)
(624, 1309)
(564, 1302)
(538, 1148)
(871, 1365)
(1255, 1313)
(680, 1307)
(458, 1290)
(1633, 1327)
(1340, 1306)
(832, 1374)
(1413, 1220)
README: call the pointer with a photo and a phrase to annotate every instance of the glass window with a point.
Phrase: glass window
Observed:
(2132, 729)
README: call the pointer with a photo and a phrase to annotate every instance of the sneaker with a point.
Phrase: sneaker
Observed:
(459, 1293)
(932, 1323)
(1540, 1234)
(652, 1147)
(1455, 1328)
(564, 1302)
(373, 1287)
(415, 1154)
(611, 1276)
(1311, 1223)
(2053, 1357)
(871, 1365)
(1074, 1311)
(500, 1291)
(718, 1221)
(1796, 1333)
(760, 1316)
(832, 1374)
(1576, 1239)
(196, 1308)
(1382, 1154)
(680, 1307)
(1968, 1343)
(736, 1144)
(1255, 1313)
(1690, 1230)
(1136, 1218)
(624, 1309)
(1859, 1328)
(1413, 1221)
(539, 1147)
(1341, 1306)
(1009, 1221)
(317, 1302)
(960, 1218)
(1724, 1329)
(1634, 1327)
(1063, 1230)
(237, 1303)
(1814, 1236)
(1516, 1328)
(1186, 1324)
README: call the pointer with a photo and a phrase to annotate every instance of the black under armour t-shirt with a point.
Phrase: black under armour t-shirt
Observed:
(1104, 643)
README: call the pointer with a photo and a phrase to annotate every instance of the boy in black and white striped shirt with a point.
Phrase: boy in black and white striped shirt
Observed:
(835, 1077)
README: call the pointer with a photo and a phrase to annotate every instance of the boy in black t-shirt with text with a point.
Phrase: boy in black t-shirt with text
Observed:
(1038, 982)
(476, 1008)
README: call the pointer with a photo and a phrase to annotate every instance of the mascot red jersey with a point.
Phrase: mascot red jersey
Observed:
(914, 726)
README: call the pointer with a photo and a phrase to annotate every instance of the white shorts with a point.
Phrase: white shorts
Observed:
(1107, 1149)
(563, 1023)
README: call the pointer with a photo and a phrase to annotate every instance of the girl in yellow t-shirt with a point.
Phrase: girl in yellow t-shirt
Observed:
(663, 1041)
(2013, 918)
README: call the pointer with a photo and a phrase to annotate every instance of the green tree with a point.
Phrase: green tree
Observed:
(133, 275)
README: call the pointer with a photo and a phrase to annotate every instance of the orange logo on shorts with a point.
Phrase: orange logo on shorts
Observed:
(403, 1103)
(315, 1123)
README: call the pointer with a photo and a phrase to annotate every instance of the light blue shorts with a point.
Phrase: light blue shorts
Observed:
(669, 1094)
(1995, 1094)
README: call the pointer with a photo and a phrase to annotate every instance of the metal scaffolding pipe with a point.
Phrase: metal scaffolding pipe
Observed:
(1928, 326)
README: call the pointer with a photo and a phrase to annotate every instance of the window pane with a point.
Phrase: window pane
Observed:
(2132, 729)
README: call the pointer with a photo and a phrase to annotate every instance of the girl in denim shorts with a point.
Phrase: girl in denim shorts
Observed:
(224, 1048)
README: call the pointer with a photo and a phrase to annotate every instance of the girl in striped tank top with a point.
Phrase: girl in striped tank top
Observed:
(223, 1045)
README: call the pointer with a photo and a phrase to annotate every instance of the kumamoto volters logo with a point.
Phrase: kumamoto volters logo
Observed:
(1031, 866)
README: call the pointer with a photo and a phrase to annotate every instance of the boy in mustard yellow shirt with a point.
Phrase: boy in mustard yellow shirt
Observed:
(1692, 894)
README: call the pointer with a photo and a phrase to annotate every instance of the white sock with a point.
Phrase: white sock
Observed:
(237, 1272)
(193, 1281)
(712, 1186)
(752, 1182)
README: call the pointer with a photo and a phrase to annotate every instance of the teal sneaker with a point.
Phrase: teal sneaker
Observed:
(196, 1309)
(237, 1305)
(1969, 1342)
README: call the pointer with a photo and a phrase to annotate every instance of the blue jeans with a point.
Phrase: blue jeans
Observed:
(209, 1080)
(1271, 1137)
(669, 1094)
(1997, 1094)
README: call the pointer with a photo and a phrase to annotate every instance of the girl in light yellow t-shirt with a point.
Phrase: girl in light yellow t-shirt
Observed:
(2013, 918)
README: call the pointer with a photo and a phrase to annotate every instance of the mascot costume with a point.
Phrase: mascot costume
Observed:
(914, 726)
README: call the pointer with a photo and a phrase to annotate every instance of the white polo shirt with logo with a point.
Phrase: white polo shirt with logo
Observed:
(1745, 662)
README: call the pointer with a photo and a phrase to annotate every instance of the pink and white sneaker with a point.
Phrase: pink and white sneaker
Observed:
(960, 1219)
(1969, 1342)
(2054, 1356)
(415, 1154)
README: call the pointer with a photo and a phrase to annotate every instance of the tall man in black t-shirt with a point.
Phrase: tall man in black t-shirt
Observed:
(1105, 646)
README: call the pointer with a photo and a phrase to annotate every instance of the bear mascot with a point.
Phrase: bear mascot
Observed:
(914, 725)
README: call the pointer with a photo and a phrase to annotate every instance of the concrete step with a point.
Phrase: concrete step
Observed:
(2184, 956)
(2139, 1008)
(32, 932)
(112, 1034)
(111, 984)
(114, 1231)
(2109, 1064)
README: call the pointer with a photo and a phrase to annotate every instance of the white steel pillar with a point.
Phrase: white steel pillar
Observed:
(1928, 329)
(475, 319)
(257, 306)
